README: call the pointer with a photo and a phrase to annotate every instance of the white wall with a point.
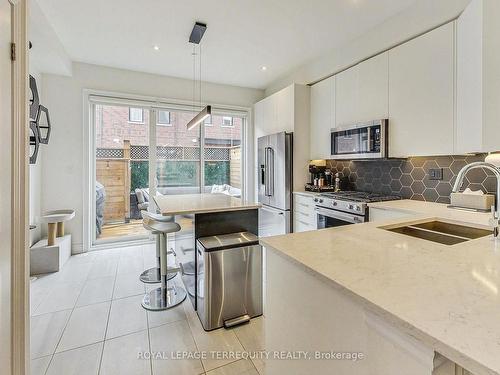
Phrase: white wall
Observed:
(422, 16)
(63, 176)
(47, 53)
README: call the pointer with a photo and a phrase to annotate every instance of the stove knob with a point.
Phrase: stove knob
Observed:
(321, 201)
(350, 206)
(357, 208)
(316, 199)
(334, 203)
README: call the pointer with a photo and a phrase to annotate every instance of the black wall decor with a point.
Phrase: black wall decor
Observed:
(43, 124)
(420, 178)
(39, 122)
(34, 100)
(34, 142)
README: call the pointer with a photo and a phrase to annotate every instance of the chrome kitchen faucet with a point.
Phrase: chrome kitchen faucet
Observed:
(495, 221)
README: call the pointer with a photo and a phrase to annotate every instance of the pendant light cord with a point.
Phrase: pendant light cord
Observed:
(194, 75)
(201, 105)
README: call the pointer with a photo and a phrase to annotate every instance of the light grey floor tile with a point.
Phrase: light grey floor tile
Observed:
(150, 262)
(37, 296)
(252, 337)
(47, 280)
(46, 331)
(131, 265)
(127, 285)
(81, 361)
(157, 318)
(40, 365)
(103, 268)
(75, 272)
(60, 297)
(131, 251)
(126, 316)
(220, 340)
(125, 355)
(113, 253)
(149, 251)
(169, 338)
(87, 257)
(87, 325)
(241, 367)
(260, 365)
(96, 290)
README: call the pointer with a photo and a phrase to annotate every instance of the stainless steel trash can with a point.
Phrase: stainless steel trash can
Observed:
(229, 276)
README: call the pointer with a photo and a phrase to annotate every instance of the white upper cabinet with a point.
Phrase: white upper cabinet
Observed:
(478, 78)
(284, 109)
(373, 88)
(361, 91)
(275, 113)
(322, 118)
(346, 96)
(421, 95)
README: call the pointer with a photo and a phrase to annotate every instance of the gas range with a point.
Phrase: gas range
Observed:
(354, 202)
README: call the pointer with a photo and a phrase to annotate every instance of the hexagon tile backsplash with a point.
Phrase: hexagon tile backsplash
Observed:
(409, 178)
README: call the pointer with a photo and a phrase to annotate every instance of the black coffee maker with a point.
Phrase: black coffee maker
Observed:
(316, 171)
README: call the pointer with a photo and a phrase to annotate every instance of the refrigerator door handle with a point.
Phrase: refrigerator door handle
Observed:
(270, 172)
(263, 174)
(266, 168)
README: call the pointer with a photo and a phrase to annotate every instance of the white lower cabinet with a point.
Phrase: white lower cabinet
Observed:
(303, 312)
(304, 216)
(396, 352)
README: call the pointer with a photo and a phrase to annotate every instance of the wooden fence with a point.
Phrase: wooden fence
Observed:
(114, 174)
(113, 171)
(235, 167)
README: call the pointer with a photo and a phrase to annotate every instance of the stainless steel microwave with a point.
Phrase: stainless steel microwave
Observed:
(367, 140)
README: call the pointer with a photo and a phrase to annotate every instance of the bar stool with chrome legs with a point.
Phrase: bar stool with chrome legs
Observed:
(152, 275)
(166, 296)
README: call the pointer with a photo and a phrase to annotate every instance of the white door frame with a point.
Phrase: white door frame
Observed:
(147, 102)
(19, 181)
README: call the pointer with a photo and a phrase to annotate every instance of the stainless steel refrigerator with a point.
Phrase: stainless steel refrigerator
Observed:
(275, 181)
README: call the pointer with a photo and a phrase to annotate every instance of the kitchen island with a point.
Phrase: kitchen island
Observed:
(211, 215)
(394, 298)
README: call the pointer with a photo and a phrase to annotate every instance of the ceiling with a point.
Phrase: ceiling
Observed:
(242, 35)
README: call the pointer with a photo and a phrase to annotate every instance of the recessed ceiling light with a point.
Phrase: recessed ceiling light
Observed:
(263, 68)
(156, 48)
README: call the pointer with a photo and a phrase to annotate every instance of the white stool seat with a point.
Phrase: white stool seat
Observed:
(161, 227)
(166, 296)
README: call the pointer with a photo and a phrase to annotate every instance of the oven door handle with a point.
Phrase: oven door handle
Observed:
(339, 215)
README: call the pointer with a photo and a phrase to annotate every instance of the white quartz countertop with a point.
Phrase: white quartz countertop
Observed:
(445, 296)
(308, 193)
(433, 209)
(200, 203)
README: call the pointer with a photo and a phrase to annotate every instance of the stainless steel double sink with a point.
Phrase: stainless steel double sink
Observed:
(439, 231)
